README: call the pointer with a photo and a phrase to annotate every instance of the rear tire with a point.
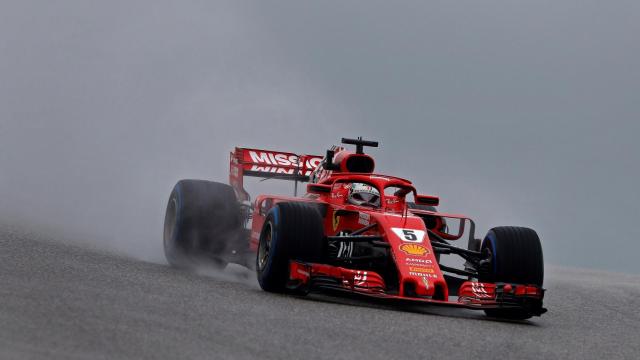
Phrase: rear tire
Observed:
(291, 231)
(516, 257)
(202, 218)
(430, 222)
(413, 205)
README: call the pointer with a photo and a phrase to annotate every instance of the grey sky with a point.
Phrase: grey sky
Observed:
(513, 112)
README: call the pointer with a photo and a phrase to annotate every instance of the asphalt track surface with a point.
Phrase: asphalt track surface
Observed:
(66, 302)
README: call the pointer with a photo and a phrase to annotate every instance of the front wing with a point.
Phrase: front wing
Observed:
(471, 294)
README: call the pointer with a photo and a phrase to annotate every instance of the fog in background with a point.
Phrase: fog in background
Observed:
(515, 113)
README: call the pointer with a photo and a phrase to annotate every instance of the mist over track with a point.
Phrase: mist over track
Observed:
(64, 301)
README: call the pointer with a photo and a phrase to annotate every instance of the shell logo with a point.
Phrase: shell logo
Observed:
(414, 249)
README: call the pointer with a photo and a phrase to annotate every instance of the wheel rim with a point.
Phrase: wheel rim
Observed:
(264, 247)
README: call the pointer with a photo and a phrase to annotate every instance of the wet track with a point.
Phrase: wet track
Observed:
(63, 301)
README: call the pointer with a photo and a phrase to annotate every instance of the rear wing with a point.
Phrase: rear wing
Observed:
(268, 164)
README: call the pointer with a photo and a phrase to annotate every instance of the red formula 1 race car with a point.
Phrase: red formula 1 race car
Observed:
(354, 231)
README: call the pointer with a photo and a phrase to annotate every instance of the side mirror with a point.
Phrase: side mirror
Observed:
(429, 200)
(318, 189)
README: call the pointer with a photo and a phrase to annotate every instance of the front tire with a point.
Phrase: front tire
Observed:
(291, 231)
(516, 257)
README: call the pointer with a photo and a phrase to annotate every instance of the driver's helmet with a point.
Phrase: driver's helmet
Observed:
(364, 194)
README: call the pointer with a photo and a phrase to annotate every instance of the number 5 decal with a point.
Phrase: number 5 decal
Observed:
(409, 235)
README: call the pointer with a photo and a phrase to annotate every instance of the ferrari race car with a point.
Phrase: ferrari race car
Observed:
(353, 231)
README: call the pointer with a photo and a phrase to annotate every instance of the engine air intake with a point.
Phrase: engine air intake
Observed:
(357, 163)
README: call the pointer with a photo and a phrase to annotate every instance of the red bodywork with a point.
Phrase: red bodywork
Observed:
(419, 275)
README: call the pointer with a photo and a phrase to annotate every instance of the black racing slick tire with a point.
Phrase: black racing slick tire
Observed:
(291, 231)
(202, 218)
(431, 222)
(516, 257)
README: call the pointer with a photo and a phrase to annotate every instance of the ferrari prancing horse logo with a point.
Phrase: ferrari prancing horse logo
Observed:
(336, 220)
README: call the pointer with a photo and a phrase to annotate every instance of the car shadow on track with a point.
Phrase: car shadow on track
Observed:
(238, 274)
(340, 298)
